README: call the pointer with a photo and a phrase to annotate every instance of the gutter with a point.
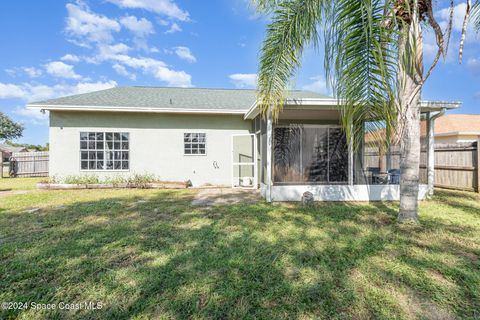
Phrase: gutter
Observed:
(431, 150)
(333, 104)
(130, 109)
(438, 114)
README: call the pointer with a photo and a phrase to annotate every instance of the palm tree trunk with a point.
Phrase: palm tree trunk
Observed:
(411, 74)
(410, 161)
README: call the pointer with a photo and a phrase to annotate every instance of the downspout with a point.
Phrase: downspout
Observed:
(431, 150)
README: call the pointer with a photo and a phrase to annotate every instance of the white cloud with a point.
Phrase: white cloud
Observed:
(85, 87)
(117, 54)
(162, 22)
(473, 62)
(10, 91)
(244, 80)
(34, 116)
(164, 7)
(141, 44)
(29, 92)
(88, 27)
(121, 70)
(473, 65)
(458, 16)
(457, 24)
(106, 51)
(32, 72)
(318, 84)
(70, 58)
(173, 28)
(155, 68)
(61, 70)
(140, 27)
(184, 53)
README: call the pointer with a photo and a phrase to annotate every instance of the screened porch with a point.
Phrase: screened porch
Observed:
(310, 152)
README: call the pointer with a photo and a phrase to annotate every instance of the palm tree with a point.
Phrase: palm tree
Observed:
(373, 61)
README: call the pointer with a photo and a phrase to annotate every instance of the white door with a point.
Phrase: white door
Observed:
(244, 161)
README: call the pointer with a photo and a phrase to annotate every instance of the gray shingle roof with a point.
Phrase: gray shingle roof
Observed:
(9, 148)
(171, 98)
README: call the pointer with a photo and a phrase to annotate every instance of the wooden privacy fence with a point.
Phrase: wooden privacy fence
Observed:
(29, 164)
(457, 166)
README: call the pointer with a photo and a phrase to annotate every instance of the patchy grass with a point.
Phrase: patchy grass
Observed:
(149, 254)
(8, 184)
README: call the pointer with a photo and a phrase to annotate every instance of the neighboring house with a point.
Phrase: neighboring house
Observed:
(7, 150)
(215, 137)
(456, 128)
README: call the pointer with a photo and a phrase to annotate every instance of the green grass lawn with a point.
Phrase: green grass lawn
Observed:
(148, 254)
(11, 184)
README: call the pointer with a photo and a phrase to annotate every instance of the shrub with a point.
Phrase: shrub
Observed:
(141, 181)
(82, 179)
(134, 181)
(116, 180)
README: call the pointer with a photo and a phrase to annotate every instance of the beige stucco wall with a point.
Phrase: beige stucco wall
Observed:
(156, 144)
(455, 138)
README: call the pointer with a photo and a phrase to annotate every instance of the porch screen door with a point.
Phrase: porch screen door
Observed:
(244, 161)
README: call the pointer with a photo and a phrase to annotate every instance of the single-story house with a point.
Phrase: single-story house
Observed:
(456, 128)
(216, 137)
(6, 151)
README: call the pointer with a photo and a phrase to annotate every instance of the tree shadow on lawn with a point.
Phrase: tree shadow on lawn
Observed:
(466, 201)
(159, 257)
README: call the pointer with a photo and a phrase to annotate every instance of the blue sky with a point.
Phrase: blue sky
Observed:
(52, 48)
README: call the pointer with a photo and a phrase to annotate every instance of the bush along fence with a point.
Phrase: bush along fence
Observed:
(29, 164)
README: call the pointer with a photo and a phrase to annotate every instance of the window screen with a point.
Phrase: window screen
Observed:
(309, 155)
(194, 143)
(104, 150)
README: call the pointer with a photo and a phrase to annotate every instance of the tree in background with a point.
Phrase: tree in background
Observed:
(9, 129)
(31, 147)
(373, 61)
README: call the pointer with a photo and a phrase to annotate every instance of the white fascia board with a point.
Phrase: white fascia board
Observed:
(335, 103)
(130, 109)
(314, 102)
(438, 105)
(252, 112)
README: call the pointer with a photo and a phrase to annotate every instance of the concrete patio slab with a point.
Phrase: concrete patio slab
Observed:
(223, 196)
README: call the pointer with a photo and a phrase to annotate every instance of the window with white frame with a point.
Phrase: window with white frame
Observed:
(104, 150)
(194, 143)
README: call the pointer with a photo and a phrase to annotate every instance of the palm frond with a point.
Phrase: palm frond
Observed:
(464, 30)
(362, 64)
(294, 26)
(475, 15)
(266, 6)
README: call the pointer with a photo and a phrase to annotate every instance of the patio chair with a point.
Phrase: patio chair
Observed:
(394, 176)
